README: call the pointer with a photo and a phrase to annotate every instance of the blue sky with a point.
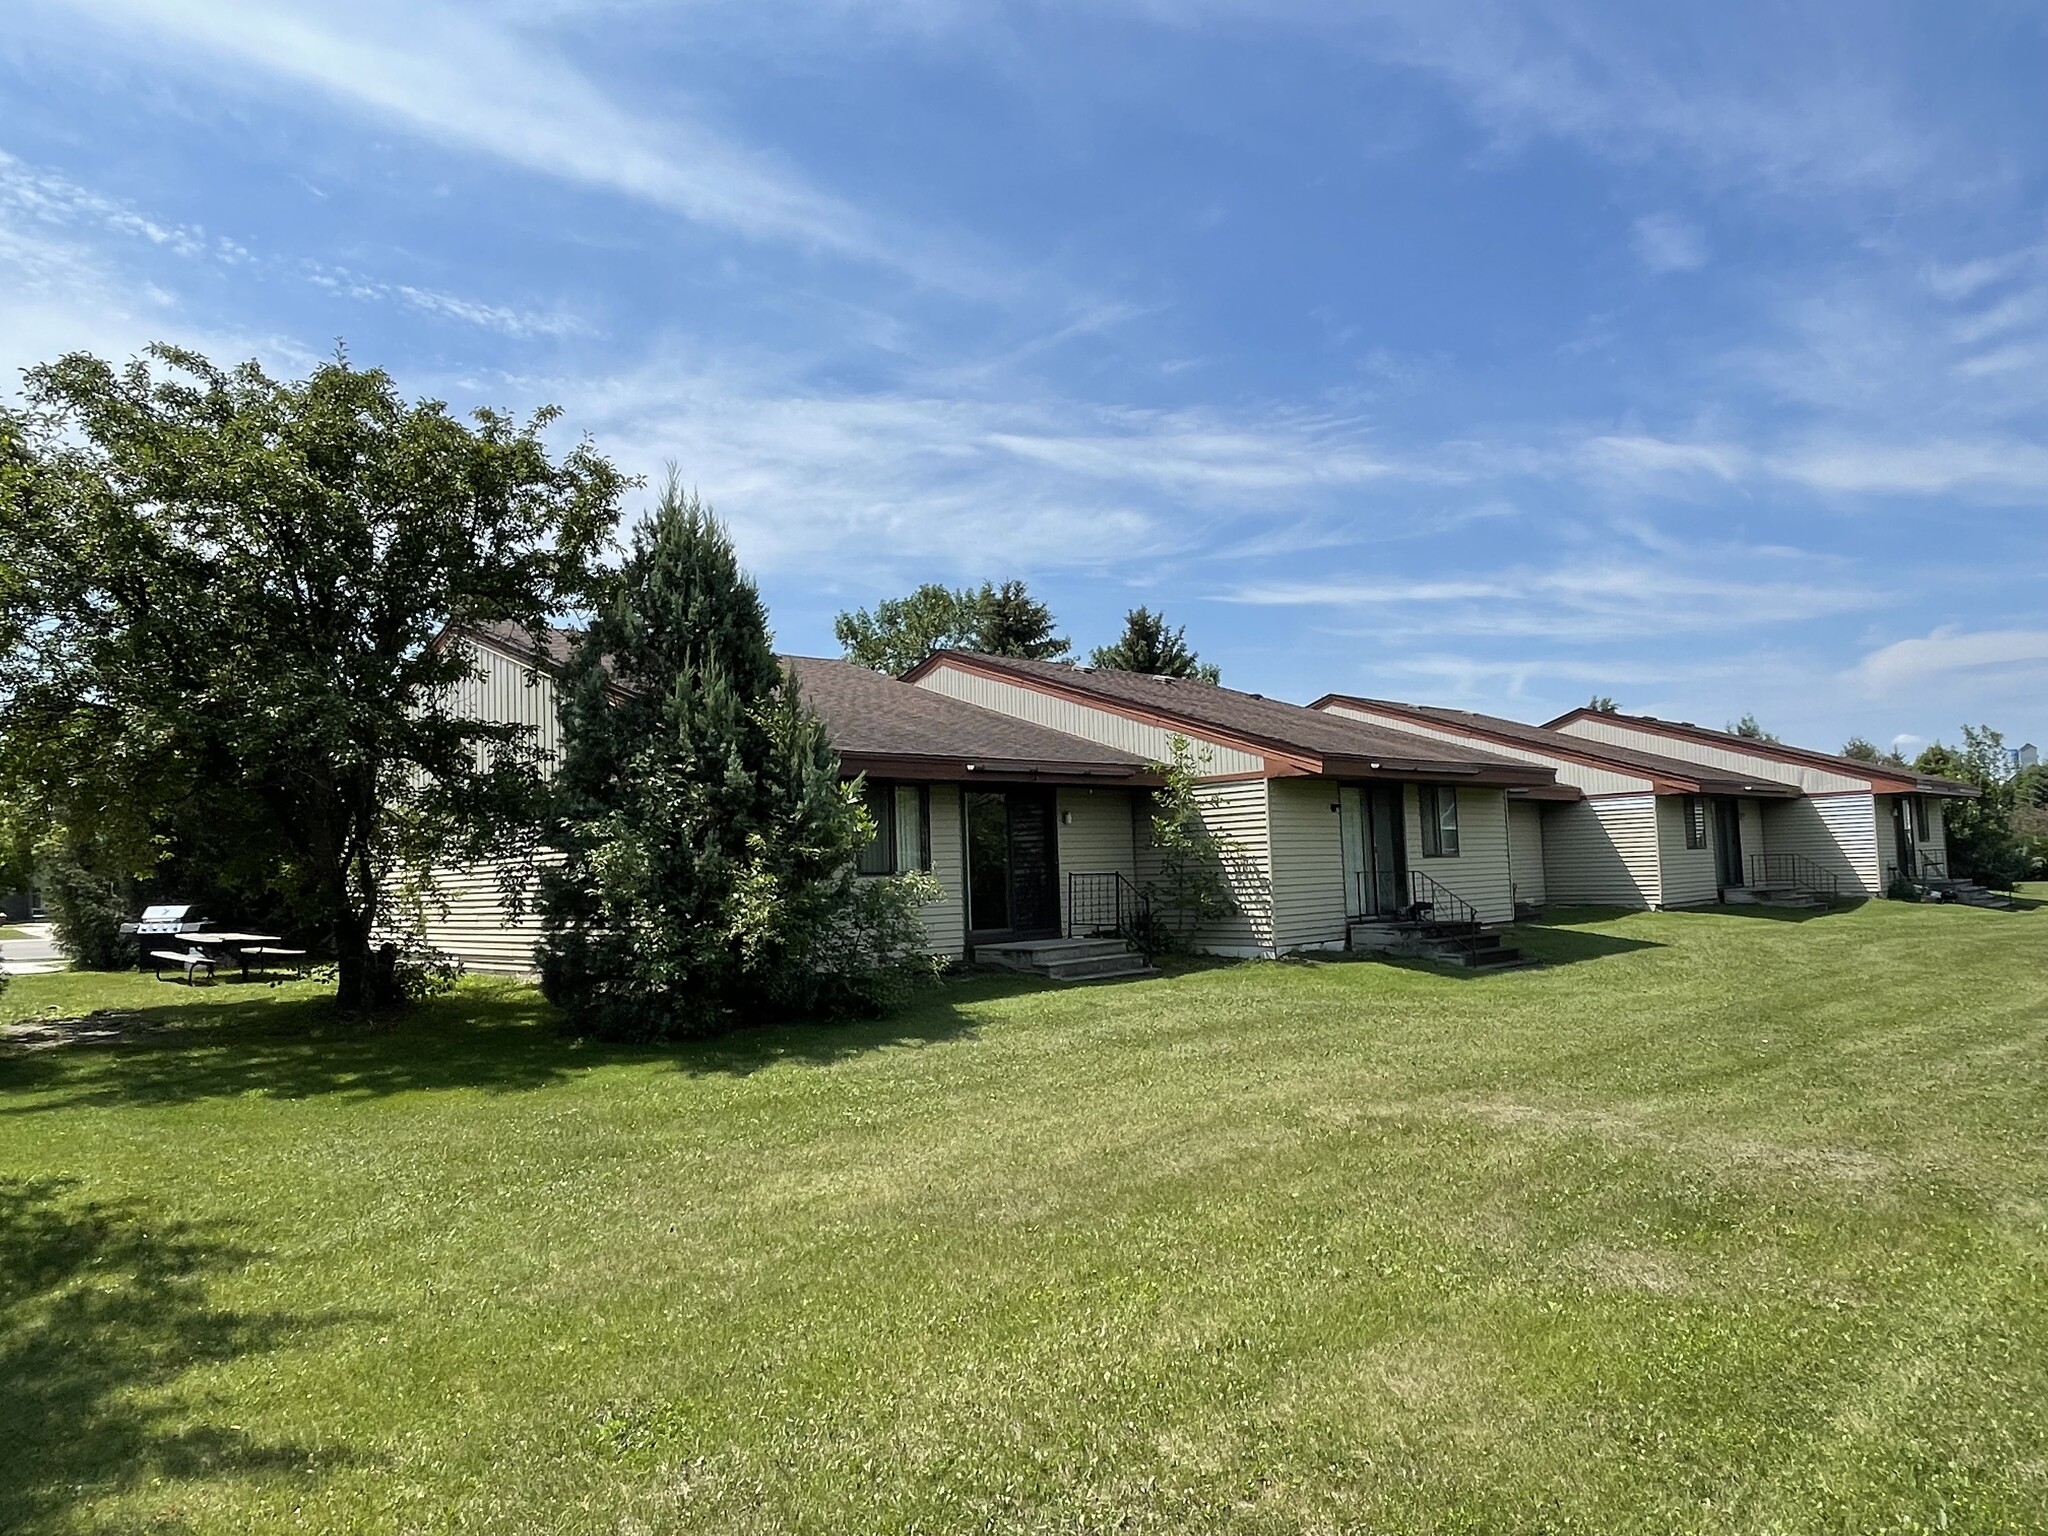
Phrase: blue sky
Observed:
(1485, 355)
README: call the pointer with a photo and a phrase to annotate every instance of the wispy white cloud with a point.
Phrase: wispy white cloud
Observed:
(505, 320)
(1952, 655)
(1666, 242)
(478, 85)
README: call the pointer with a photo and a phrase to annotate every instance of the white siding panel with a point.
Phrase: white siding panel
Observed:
(1603, 852)
(1152, 742)
(1525, 852)
(1235, 814)
(1593, 781)
(1308, 864)
(1686, 877)
(464, 915)
(945, 920)
(1097, 835)
(1479, 873)
(503, 690)
(1751, 829)
(1837, 832)
(1758, 761)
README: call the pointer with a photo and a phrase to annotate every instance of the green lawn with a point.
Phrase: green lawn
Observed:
(1729, 1223)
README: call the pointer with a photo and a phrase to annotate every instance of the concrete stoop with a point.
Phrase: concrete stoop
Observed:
(1796, 897)
(1066, 959)
(1466, 945)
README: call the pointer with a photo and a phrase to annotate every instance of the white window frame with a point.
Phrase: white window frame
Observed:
(1439, 807)
(907, 847)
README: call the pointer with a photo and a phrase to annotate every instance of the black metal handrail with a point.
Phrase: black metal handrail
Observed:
(1794, 869)
(1931, 868)
(1105, 904)
(1443, 904)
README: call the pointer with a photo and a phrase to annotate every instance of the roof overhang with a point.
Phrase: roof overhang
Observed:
(1487, 775)
(1561, 793)
(934, 768)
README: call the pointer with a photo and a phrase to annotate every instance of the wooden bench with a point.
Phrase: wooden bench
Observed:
(190, 961)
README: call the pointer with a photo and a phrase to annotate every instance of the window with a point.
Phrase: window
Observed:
(1920, 818)
(1695, 822)
(903, 829)
(1439, 821)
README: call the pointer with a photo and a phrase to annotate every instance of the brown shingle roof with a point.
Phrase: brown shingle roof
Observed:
(883, 726)
(1695, 778)
(1327, 741)
(1855, 767)
(872, 717)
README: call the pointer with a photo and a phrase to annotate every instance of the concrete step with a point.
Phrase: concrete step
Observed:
(1102, 969)
(1033, 954)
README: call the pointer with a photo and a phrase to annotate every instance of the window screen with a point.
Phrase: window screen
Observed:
(913, 829)
(1695, 822)
(878, 858)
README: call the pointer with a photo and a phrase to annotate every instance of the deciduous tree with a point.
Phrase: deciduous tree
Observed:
(223, 598)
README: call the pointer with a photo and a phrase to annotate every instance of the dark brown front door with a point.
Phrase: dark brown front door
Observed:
(1012, 863)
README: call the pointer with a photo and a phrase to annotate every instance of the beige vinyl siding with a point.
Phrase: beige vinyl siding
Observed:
(1603, 852)
(1152, 742)
(1097, 835)
(1479, 873)
(1525, 852)
(1308, 864)
(1760, 762)
(1837, 832)
(1236, 815)
(1686, 877)
(1755, 839)
(464, 915)
(1936, 841)
(1584, 776)
(503, 690)
(945, 920)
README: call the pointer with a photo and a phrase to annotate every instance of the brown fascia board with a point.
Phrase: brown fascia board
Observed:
(950, 770)
(1884, 781)
(1662, 782)
(1298, 763)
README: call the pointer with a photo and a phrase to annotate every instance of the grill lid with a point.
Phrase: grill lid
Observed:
(166, 914)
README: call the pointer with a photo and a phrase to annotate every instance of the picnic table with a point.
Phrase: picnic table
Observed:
(244, 948)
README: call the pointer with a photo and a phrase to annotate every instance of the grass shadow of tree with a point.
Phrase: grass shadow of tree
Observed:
(102, 1308)
(188, 1050)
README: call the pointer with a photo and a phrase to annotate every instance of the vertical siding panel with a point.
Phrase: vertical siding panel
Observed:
(1603, 852)
(1308, 864)
(1687, 877)
(1525, 852)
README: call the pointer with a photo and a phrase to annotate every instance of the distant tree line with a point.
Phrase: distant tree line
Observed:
(1006, 620)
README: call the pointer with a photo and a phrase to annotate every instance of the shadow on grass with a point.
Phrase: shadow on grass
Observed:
(102, 1308)
(1567, 944)
(1758, 911)
(499, 1038)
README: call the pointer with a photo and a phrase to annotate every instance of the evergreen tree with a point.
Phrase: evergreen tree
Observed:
(1149, 646)
(1749, 730)
(707, 845)
(1009, 621)
(1603, 704)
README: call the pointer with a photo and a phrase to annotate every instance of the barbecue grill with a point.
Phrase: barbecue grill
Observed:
(162, 922)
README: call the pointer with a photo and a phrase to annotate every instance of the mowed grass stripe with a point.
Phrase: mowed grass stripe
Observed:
(1720, 1223)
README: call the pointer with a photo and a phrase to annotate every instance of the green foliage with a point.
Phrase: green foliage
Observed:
(1867, 751)
(1188, 887)
(87, 905)
(707, 878)
(1749, 730)
(221, 618)
(902, 631)
(1603, 704)
(1982, 838)
(1149, 646)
